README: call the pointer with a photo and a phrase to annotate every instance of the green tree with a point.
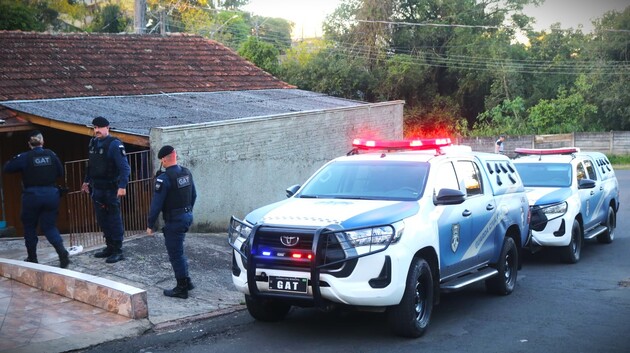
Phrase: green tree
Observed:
(505, 118)
(566, 113)
(34, 15)
(110, 19)
(261, 54)
(19, 16)
(276, 31)
(609, 74)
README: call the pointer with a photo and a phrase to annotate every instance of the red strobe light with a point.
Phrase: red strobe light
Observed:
(546, 151)
(415, 144)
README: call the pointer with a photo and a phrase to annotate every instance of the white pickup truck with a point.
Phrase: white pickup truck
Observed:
(385, 231)
(574, 197)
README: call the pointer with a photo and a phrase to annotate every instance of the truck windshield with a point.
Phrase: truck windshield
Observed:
(373, 180)
(545, 174)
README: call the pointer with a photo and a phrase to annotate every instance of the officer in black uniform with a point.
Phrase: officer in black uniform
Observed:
(174, 195)
(40, 196)
(106, 180)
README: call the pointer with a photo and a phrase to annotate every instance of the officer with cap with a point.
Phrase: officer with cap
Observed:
(106, 180)
(174, 195)
(40, 170)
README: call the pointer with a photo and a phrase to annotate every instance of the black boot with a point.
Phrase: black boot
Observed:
(190, 286)
(180, 291)
(64, 259)
(32, 255)
(117, 253)
(105, 252)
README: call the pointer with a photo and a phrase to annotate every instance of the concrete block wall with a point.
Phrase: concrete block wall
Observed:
(243, 164)
(612, 142)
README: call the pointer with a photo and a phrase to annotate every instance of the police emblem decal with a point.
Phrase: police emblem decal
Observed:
(454, 237)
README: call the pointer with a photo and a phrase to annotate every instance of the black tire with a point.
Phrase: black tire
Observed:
(611, 223)
(411, 317)
(266, 309)
(504, 283)
(571, 252)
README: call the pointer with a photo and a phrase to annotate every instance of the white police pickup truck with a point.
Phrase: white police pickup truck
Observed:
(573, 196)
(385, 231)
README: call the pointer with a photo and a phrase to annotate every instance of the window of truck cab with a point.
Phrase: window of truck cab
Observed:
(369, 179)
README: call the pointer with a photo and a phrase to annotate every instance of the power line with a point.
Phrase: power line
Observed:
(428, 24)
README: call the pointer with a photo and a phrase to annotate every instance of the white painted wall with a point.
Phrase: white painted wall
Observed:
(240, 165)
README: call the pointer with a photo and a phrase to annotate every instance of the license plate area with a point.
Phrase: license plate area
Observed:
(288, 284)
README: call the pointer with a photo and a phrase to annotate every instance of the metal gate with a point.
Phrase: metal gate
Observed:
(134, 206)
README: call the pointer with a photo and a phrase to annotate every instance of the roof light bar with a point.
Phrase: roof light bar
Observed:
(546, 151)
(415, 144)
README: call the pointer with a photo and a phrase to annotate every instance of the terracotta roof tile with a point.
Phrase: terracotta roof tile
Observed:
(42, 65)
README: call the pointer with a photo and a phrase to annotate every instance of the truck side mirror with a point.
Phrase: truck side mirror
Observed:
(449, 197)
(291, 190)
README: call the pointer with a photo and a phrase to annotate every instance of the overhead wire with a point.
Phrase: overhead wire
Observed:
(423, 56)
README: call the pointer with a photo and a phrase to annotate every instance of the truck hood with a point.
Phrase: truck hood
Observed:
(323, 212)
(547, 196)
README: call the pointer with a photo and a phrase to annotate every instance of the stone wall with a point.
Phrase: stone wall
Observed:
(243, 164)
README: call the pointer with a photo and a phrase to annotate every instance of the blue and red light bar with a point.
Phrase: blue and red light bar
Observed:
(413, 144)
(546, 151)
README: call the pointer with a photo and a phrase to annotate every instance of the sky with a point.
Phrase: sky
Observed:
(309, 14)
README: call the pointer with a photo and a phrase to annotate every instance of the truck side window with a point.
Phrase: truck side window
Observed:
(468, 174)
(590, 169)
(580, 172)
(446, 178)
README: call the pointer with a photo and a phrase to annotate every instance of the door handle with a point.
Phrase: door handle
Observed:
(490, 207)
(466, 213)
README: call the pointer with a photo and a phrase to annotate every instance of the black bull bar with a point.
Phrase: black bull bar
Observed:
(318, 262)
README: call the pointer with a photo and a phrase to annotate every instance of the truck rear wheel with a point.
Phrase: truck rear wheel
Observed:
(266, 309)
(411, 317)
(507, 266)
(611, 223)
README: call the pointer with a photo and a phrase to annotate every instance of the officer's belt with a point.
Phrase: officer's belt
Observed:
(170, 214)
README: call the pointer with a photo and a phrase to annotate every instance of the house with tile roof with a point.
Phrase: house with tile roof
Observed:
(245, 134)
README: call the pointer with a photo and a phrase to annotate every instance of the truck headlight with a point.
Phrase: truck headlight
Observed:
(383, 235)
(238, 230)
(559, 208)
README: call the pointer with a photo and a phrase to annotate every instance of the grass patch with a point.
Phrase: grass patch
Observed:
(620, 161)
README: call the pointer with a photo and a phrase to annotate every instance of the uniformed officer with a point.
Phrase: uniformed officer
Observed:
(174, 195)
(106, 180)
(40, 196)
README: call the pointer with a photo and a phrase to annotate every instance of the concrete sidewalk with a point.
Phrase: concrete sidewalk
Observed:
(146, 266)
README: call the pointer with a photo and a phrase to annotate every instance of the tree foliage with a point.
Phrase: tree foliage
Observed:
(261, 54)
(29, 15)
(110, 19)
(461, 52)
(457, 64)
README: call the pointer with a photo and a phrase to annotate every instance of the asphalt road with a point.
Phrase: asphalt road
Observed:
(555, 307)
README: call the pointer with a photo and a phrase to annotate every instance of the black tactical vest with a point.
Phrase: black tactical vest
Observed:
(180, 193)
(102, 168)
(40, 168)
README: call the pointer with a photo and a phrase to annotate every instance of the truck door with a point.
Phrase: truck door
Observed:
(591, 199)
(481, 202)
(454, 224)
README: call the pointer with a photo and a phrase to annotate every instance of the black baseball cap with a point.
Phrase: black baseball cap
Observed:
(99, 121)
(165, 151)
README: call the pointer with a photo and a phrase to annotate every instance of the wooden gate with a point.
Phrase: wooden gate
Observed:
(83, 229)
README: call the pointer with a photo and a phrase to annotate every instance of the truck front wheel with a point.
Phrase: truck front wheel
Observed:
(266, 309)
(411, 317)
